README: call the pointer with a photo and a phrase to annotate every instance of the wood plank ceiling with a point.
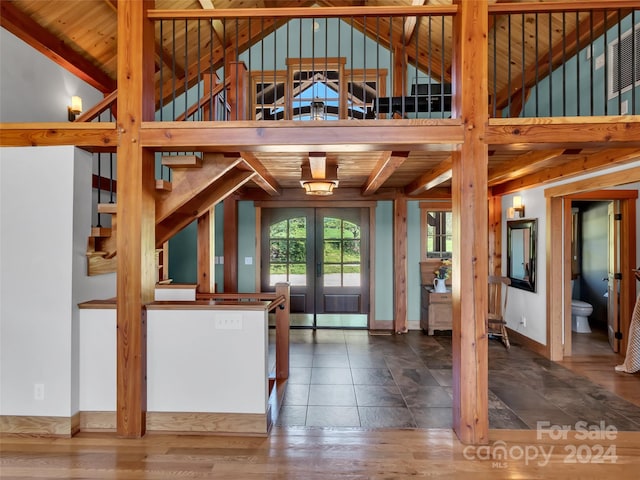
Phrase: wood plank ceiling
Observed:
(82, 37)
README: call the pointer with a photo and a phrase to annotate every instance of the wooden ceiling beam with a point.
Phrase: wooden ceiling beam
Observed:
(262, 178)
(387, 163)
(523, 165)
(216, 25)
(585, 164)
(409, 26)
(431, 179)
(30, 32)
(563, 49)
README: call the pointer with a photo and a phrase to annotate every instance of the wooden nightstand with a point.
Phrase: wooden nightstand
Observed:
(435, 311)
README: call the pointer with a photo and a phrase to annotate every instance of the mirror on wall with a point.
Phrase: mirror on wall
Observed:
(521, 254)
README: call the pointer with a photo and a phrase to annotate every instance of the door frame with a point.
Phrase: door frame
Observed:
(369, 204)
(558, 252)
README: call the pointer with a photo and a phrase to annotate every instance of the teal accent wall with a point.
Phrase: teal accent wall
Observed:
(183, 255)
(383, 261)
(246, 247)
(413, 260)
(578, 81)
(219, 248)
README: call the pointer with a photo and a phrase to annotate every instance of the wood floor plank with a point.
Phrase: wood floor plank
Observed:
(317, 454)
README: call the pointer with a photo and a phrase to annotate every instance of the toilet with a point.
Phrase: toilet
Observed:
(579, 312)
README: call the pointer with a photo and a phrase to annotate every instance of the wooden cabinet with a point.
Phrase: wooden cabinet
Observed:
(435, 310)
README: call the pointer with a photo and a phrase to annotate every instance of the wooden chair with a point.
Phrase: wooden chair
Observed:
(496, 324)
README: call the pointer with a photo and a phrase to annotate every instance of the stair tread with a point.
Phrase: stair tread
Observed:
(100, 232)
(107, 208)
(164, 185)
(182, 161)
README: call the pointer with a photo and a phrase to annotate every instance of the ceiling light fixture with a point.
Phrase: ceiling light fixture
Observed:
(318, 177)
(317, 110)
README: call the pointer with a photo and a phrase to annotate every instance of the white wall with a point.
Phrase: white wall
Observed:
(533, 304)
(34, 88)
(45, 221)
(195, 364)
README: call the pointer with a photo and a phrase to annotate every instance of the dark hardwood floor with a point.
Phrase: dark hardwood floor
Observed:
(346, 378)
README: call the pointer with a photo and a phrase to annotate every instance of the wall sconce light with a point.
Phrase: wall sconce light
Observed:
(517, 207)
(317, 110)
(75, 108)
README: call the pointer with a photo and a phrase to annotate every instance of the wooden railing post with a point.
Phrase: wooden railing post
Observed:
(210, 108)
(282, 332)
(237, 91)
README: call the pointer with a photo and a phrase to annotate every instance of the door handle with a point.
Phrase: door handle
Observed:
(318, 269)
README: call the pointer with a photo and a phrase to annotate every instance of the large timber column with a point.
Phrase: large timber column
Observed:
(136, 213)
(470, 245)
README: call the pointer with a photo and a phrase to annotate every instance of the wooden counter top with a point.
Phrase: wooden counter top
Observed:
(209, 305)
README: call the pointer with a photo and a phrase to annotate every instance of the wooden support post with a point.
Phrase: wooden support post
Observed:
(135, 213)
(495, 236)
(237, 97)
(554, 277)
(206, 252)
(470, 239)
(400, 263)
(282, 332)
(230, 239)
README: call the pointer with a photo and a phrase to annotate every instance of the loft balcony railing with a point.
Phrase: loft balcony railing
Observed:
(547, 62)
(301, 64)
(370, 63)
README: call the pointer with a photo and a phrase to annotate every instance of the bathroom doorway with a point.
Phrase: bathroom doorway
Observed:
(595, 270)
(600, 242)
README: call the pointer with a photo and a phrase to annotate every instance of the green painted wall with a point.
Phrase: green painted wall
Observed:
(383, 261)
(246, 247)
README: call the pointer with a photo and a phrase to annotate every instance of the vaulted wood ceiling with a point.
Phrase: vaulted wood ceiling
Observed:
(82, 37)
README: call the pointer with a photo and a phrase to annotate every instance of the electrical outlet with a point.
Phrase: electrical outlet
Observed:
(38, 391)
(523, 321)
(229, 322)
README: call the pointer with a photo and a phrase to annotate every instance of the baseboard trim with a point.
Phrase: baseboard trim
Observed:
(218, 423)
(185, 422)
(45, 426)
(528, 343)
(97, 421)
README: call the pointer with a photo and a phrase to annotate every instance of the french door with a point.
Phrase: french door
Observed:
(324, 254)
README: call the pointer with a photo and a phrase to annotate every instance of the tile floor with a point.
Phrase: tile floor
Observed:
(349, 378)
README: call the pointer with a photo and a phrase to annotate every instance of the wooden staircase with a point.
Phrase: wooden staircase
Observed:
(197, 185)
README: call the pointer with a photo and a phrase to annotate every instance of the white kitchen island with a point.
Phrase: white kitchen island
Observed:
(207, 366)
